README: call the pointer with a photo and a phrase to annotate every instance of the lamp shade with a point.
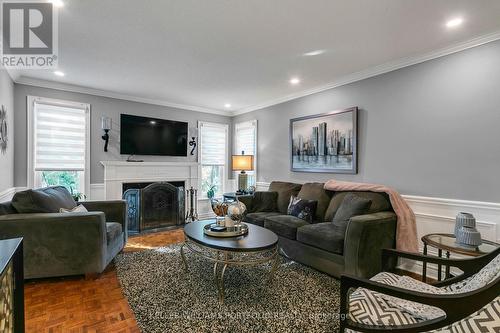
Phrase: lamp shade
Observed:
(106, 123)
(242, 162)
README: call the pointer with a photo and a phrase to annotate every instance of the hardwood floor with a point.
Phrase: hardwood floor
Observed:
(79, 305)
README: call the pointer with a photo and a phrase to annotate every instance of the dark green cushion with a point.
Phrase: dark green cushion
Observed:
(315, 191)
(380, 203)
(113, 230)
(323, 236)
(285, 191)
(284, 225)
(352, 205)
(258, 218)
(265, 202)
(43, 200)
(6, 208)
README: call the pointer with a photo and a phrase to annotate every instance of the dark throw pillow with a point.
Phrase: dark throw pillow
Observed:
(265, 202)
(352, 205)
(44, 200)
(302, 208)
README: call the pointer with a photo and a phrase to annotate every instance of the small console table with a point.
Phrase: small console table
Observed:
(11, 285)
(447, 242)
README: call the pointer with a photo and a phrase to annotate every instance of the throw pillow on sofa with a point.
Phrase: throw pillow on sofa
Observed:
(265, 202)
(77, 209)
(352, 205)
(302, 208)
(43, 200)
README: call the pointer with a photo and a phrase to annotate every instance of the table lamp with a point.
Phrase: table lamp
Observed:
(242, 163)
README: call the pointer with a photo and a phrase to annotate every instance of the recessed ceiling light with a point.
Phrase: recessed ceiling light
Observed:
(59, 73)
(314, 53)
(152, 122)
(227, 105)
(58, 3)
(294, 80)
(454, 22)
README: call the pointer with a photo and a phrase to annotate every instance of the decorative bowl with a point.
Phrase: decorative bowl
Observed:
(219, 207)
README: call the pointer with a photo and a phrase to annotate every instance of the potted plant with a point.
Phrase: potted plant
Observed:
(211, 191)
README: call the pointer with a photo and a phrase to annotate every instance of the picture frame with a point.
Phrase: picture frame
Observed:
(326, 142)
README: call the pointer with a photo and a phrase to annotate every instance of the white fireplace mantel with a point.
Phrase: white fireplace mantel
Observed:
(118, 172)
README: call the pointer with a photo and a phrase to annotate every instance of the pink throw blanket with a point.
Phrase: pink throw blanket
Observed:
(406, 229)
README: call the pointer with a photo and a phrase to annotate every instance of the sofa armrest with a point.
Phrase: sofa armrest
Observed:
(58, 244)
(365, 238)
(115, 211)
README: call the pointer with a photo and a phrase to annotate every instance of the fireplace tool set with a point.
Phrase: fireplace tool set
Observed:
(192, 209)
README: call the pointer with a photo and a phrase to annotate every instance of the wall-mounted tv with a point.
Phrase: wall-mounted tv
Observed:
(151, 136)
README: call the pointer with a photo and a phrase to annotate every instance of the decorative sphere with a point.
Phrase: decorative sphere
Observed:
(236, 211)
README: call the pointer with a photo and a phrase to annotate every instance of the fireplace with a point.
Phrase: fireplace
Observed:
(154, 205)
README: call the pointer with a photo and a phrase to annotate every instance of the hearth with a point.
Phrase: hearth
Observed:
(154, 205)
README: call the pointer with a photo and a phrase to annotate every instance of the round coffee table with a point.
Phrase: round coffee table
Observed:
(257, 247)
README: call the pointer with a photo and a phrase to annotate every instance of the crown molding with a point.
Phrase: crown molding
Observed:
(105, 93)
(348, 79)
(378, 70)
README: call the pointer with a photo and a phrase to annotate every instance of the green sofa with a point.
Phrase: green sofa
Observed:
(63, 244)
(315, 244)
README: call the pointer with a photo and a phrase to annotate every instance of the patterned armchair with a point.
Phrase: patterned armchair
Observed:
(469, 302)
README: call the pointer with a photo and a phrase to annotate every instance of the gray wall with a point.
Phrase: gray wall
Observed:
(100, 106)
(7, 159)
(432, 129)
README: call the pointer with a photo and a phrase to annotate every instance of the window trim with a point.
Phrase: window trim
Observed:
(31, 100)
(203, 196)
(254, 123)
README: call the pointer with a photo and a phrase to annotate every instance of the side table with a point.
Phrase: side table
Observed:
(447, 243)
(232, 196)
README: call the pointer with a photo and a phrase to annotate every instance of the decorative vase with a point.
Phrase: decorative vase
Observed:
(464, 219)
(469, 236)
(236, 211)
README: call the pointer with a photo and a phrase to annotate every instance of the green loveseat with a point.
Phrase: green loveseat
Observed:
(62, 244)
(315, 244)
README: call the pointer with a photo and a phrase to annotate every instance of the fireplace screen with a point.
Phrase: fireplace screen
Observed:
(157, 205)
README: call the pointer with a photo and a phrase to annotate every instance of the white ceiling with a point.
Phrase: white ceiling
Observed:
(203, 54)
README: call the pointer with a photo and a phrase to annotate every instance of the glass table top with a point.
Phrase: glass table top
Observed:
(448, 242)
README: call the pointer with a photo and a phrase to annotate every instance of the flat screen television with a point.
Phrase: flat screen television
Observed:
(151, 136)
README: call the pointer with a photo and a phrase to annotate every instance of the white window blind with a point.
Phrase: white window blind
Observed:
(213, 144)
(59, 138)
(245, 139)
(213, 159)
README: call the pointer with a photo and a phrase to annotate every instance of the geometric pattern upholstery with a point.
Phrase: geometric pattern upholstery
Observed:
(486, 319)
(372, 308)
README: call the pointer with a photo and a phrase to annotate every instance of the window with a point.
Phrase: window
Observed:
(213, 159)
(58, 144)
(245, 139)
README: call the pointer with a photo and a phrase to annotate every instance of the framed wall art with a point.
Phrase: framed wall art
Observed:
(325, 142)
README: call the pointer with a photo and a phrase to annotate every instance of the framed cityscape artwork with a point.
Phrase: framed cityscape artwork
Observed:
(325, 142)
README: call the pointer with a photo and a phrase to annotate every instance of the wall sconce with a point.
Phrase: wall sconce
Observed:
(106, 127)
(192, 143)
